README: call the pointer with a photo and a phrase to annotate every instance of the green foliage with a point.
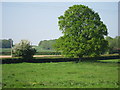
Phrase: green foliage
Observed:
(83, 32)
(6, 43)
(60, 75)
(114, 44)
(47, 44)
(117, 42)
(23, 49)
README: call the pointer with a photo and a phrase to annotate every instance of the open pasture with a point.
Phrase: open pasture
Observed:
(61, 75)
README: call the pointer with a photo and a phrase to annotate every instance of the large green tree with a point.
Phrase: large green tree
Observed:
(83, 32)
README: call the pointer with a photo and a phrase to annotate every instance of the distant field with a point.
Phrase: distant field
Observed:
(61, 75)
(40, 51)
(5, 49)
(37, 48)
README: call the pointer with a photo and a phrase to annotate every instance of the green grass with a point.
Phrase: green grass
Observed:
(112, 60)
(60, 75)
(39, 49)
(5, 49)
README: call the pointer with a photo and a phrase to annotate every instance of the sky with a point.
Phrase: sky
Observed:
(36, 21)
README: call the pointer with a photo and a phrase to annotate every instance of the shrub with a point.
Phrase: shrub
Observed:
(24, 50)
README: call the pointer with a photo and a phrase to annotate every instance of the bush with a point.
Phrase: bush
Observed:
(24, 50)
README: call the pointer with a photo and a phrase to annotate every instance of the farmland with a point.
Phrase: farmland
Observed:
(102, 74)
(82, 54)
(39, 51)
(49, 69)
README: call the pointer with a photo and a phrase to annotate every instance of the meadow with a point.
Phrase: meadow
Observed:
(102, 74)
(39, 51)
(38, 48)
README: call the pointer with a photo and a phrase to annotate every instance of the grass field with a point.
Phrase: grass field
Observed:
(37, 48)
(61, 75)
(7, 51)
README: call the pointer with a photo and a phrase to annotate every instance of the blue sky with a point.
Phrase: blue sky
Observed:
(38, 21)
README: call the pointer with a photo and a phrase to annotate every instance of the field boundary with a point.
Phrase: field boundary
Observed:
(9, 56)
(47, 58)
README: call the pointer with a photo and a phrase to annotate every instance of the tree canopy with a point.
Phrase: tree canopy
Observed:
(83, 32)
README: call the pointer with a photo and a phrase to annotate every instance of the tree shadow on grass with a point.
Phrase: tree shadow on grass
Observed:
(47, 60)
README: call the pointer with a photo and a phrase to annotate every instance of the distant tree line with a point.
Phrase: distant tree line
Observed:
(114, 44)
(6, 43)
(47, 44)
